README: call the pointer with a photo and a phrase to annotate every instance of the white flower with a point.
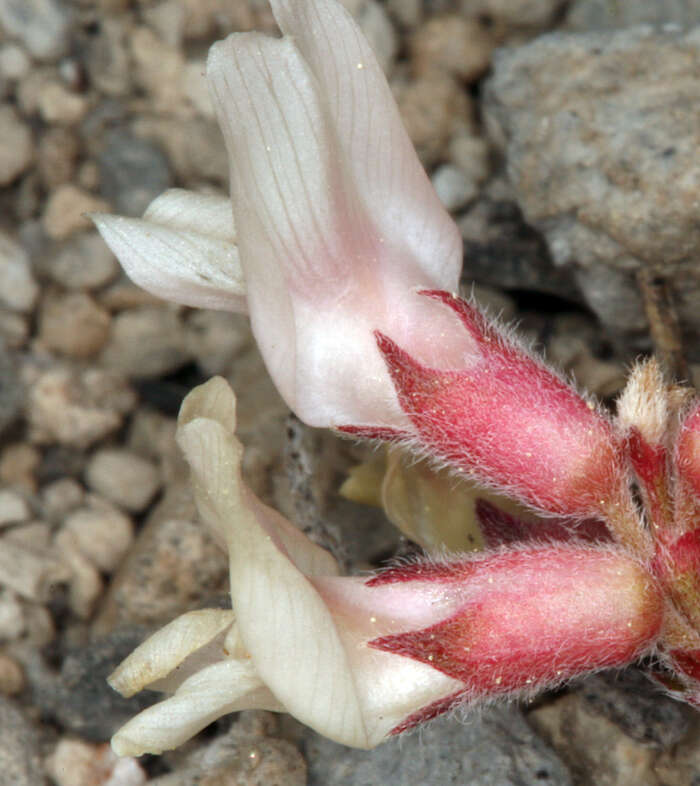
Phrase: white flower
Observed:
(337, 225)
(298, 641)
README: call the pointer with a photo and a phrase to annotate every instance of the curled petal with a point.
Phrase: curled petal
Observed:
(228, 686)
(168, 648)
(182, 265)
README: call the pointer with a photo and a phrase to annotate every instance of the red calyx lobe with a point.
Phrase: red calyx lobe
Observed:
(531, 617)
(508, 420)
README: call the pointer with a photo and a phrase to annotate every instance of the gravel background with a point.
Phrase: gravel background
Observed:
(562, 136)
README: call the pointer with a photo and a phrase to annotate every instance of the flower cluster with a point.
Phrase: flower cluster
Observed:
(344, 259)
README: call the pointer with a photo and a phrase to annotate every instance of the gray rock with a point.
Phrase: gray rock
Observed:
(43, 26)
(79, 697)
(20, 763)
(494, 748)
(610, 14)
(83, 262)
(16, 145)
(600, 135)
(632, 702)
(132, 172)
(11, 390)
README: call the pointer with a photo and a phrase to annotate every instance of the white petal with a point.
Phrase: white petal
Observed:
(384, 164)
(215, 401)
(284, 624)
(183, 266)
(166, 649)
(228, 686)
(190, 211)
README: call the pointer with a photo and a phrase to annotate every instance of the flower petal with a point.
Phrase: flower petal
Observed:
(190, 211)
(284, 623)
(183, 266)
(228, 686)
(165, 650)
(375, 144)
(320, 271)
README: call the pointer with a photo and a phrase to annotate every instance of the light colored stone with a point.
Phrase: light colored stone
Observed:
(409, 13)
(195, 87)
(146, 342)
(471, 154)
(28, 572)
(84, 581)
(18, 464)
(77, 408)
(13, 507)
(103, 535)
(461, 46)
(73, 324)
(453, 187)
(14, 328)
(18, 289)
(158, 69)
(11, 676)
(12, 622)
(167, 20)
(61, 497)
(60, 106)
(215, 338)
(434, 108)
(43, 26)
(78, 763)
(84, 262)
(107, 59)
(16, 145)
(14, 61)
(122, 477)
(56, 156)
(601, 132)
(606, 15)
(66, 208)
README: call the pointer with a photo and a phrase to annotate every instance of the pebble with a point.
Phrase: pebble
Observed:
(60, 106)
(75, 408)
(73, 324)
(17, 148)
(133, 172)
(215, 338)
(103, 534)
(11, 676)
(11, 390)
(65, 210)
(122, 477)
(196, 89)
(12, 621)
(84, 582)
(194, 146)
(18, 465)
(43, 26)
(146, 342)
(434, 108)
(61, 497)
(495, 747)
(14, 329)
(470, 154)
(79, 697)
(18, 288)
(78, 763)
(158, 69)
(13, 507)
(83, 262)
(598, 751)
(603, 15)
(107, 58)
(459, 45)
(174, 566)
(453, 187)
(20, 763)
(14, 62)
(599, 131)
(57, 154)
